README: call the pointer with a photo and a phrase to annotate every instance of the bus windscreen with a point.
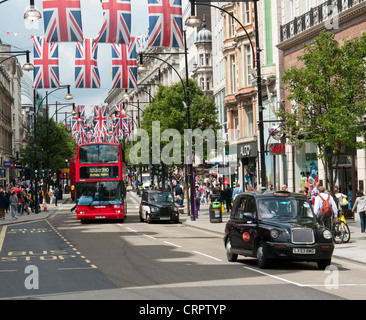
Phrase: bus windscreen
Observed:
(98, 153)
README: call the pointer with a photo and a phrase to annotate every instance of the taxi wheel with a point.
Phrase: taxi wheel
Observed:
(322, 264)
(262, 260)
(231, 257)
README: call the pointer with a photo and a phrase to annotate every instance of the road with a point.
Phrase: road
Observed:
(60, 258)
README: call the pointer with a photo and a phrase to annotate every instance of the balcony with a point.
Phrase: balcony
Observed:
(315, 16)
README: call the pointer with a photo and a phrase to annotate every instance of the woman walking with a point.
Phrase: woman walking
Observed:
(360, 207)
(14, 205)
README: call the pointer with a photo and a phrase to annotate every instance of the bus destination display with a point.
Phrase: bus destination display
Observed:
(105, 172)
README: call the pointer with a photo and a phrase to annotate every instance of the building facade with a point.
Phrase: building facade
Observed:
(302, 21)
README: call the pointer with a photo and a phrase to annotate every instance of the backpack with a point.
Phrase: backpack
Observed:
(326, 209)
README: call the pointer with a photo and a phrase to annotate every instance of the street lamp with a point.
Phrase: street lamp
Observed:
(27, 66)
(186, 104)
(192, 21)
(32, 14)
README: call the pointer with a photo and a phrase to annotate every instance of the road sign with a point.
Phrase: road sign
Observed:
(8, 164)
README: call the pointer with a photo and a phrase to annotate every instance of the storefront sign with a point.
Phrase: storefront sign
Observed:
(8, 164)
(247, 150)
(277, 148)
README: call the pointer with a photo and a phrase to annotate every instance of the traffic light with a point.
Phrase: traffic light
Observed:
(42, 168)
(36, 167)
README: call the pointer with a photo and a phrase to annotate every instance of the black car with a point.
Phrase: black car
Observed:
(276, 225)
(158, 206)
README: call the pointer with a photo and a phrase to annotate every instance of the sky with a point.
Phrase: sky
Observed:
(16, 31)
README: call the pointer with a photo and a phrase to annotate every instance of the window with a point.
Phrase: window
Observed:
(208, 84)
(232, 26)
(250, 121)
(292, 10)
(251, 206)
(207, 58)
(248, 55)
(202, 60)
(202, 83)
(239, 212)
(98, 154)
(233, 74)
(247, 12)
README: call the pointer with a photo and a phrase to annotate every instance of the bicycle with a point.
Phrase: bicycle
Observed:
(340, 230)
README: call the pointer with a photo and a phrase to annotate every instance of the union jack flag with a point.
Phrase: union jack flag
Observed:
(100, 121)
(118, 122)
(46, 70)
(116, 26)
(78, 121)
(165, 23)
(86, 66)
(129, 131)
(124, 65)
(62, 20)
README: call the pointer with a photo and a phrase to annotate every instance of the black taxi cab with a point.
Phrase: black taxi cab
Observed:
(157, 205)
(276, 225)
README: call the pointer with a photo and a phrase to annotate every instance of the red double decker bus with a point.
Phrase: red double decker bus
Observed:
(100, 188)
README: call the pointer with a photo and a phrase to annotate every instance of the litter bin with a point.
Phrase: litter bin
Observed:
(215, 212)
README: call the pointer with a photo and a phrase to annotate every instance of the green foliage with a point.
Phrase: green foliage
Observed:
(61, 145)
(328, 95)
(167, 107)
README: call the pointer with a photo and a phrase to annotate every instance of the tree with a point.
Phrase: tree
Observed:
(329, 98)
(61, 145)
(168, 109)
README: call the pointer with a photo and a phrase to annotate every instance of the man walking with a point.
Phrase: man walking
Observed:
(237, 190)
(319, 207)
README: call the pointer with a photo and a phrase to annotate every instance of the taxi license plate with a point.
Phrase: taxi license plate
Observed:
(303, 251)
(164, 218)
(99, 217)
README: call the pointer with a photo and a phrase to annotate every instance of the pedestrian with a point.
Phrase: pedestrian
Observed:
(180, 195)
(237, 190)
(360, 208)
(228, 196)
(318, 205)
(339, 199)
(14, 205)
(50, 194)
(3, 204)
(56, 193)
(284, 187)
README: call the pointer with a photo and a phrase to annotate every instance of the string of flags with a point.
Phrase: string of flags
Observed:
(102, 130)
(63, 23)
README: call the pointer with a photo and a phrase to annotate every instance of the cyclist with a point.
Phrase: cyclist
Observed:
(360, 207)
(318, 203)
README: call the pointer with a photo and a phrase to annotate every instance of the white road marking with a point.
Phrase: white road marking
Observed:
(206, 255)
(172, 244)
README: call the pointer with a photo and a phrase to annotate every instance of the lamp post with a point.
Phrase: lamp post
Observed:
(68, 96)
(186, 104)
(193, 21)
(27, 66)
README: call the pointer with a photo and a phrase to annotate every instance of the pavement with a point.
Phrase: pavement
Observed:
(354, 250)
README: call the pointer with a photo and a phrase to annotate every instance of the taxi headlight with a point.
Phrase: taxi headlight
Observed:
(327, 234)
(154, 209)
(275, 234)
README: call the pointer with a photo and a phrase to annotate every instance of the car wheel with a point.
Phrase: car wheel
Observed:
(231, 257)
(322, 264)
(148, 218)
(262, 260)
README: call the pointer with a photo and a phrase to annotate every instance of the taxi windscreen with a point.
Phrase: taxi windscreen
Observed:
(284, 208)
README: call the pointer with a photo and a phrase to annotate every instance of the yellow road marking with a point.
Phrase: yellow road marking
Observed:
(2, 237)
